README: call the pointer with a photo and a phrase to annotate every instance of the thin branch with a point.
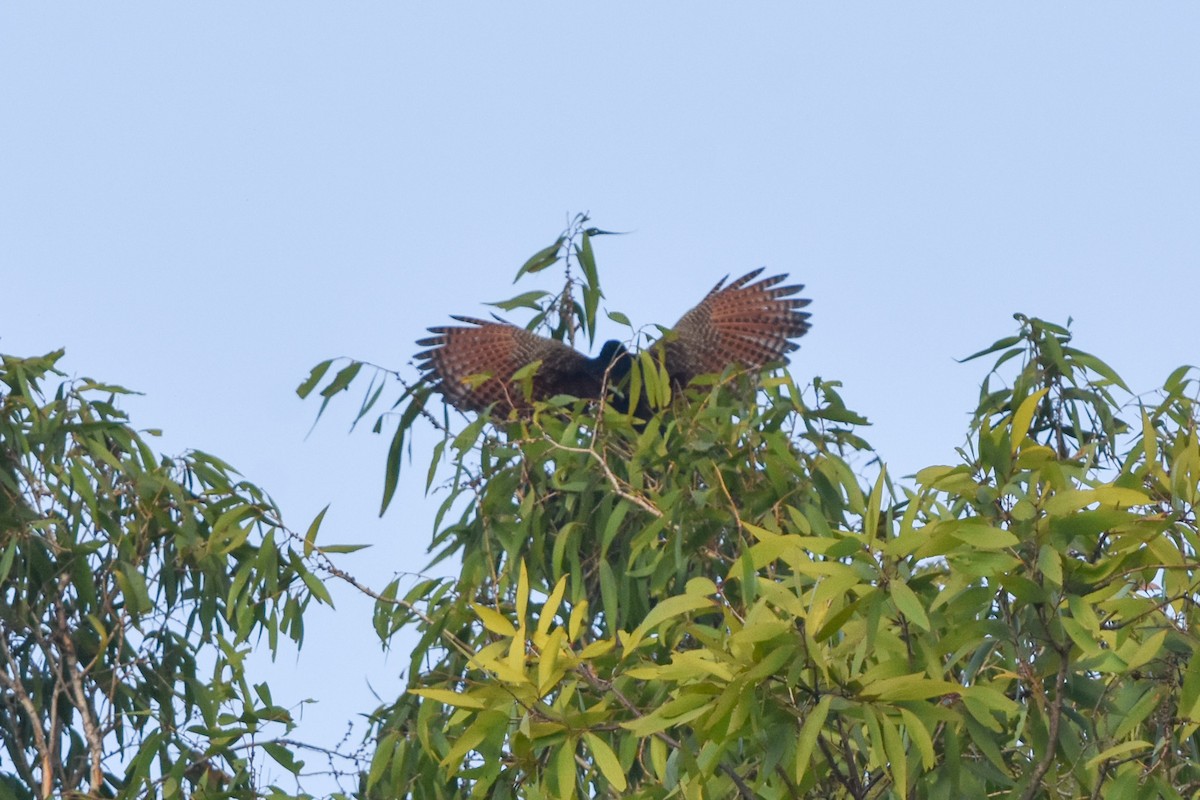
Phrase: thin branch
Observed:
(81, 700)
(1055, 717)
(837, 772)
(613, 480)
(14, 685)
(737, 517)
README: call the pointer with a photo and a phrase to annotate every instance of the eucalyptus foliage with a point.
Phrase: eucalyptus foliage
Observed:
(132, 587)
(733, 598)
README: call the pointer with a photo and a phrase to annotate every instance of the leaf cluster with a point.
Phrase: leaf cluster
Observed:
(732, 598)
(132, 587)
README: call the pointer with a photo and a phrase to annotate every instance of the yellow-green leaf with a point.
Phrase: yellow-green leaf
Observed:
(1145, 651)
(450, 698)
(671, 607)
(494, 621)
(980, 535)
(1024, 416)
(564, 769)
(607, 761)
(909, 604)
(871, 520)
(893, 745)
(910, 687)
(578, 617)
(1050, 563)
(522, 595)
(1118, 750)
(807, 739)
(919, 735)
(550, 609)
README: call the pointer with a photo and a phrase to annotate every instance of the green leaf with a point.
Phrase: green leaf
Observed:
(1071, 500)
(450, 698)
(1000, 344)
(314, 377)
(1143, 653)
(1097, 366)
(980, 535)
(1189, 697)
(525, 300)
(342, 380)
(909, 604)
(1138, 713)
(608, 594)
(541, 259)
(871, 523)
(1050, 563)
(810, 730)
(897, 754)
(1175, 382)
(343, 548)
(283, 757)
(1118, 750)
(587, 261)
(910, 687)
(919, 734)
(382, 759)
(564, 769)
(316, 586)
(391, 471)
(668, 609)
(133, 589)
(6, 559)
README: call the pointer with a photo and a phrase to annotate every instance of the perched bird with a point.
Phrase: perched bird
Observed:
(747, 323)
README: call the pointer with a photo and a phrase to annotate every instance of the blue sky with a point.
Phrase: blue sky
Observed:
(201, 201)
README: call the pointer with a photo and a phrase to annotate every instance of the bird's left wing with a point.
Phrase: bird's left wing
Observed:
(473, 365)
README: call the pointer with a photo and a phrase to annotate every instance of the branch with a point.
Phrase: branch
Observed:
(1055, 716)
(14, 684)
(613, 480)
(81, 700)
(737, 517)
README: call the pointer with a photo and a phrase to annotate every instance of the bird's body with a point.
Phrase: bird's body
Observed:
(746, 324)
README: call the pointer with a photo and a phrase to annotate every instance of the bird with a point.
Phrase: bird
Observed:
(748, 323)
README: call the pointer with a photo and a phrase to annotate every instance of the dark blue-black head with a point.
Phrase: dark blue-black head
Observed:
(614, 359)
(612, 367)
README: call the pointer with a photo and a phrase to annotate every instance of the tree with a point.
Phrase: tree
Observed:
(131, 588)
(733, 598)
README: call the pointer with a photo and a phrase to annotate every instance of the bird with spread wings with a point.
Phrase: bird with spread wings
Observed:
(748, 324)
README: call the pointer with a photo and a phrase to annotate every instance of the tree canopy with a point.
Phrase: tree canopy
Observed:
(132, 587)
(734, 597)
(721, 593)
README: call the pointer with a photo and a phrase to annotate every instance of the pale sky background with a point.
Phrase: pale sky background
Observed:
(201, 201)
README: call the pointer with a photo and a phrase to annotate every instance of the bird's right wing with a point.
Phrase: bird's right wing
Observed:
(745, 323)
(473, 366)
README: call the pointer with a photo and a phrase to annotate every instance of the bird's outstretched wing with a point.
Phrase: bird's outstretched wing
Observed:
(473, 366)
(745, 323)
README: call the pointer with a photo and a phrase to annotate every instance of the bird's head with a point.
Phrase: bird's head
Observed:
(614, 359)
